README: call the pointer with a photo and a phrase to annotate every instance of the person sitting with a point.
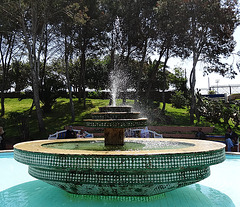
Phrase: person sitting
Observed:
(70, 133)
(200, 134)
(231, 139)
(2, 139)
(128, 133)
(145, 133)
(81, 133)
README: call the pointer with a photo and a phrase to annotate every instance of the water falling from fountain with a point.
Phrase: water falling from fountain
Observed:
(119, 81)
(114, 86)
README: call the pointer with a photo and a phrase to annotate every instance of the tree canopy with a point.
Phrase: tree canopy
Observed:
(87, 39)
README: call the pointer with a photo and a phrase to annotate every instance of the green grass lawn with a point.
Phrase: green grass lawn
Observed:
(180, 116)
(60, 116)
(14, 105)
(56, 120)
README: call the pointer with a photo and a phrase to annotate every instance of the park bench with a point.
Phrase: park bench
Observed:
(96, 132)
(180, 132)
(137, 133)
(165, 131)
(189, 132)
(221, 138)
(99, 132)
(62, 134)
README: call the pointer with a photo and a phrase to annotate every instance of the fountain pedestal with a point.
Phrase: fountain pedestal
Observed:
(114, 120)
(114, 136)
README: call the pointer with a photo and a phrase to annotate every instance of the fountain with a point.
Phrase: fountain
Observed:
(114, 166)
(119, 166)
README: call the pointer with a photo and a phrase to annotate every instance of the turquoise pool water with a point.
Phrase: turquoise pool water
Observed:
(19, 189)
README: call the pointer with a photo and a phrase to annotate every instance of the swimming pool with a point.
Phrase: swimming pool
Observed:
(19, 189)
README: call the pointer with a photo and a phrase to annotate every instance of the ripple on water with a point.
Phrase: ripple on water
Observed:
(128, 146)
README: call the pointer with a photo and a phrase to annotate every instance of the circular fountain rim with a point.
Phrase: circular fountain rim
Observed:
(199, 146)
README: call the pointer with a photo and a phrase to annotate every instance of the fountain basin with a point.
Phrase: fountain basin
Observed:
(141, 171)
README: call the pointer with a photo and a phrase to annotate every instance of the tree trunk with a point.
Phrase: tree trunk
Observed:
(2, 91)
(70, 94)
(68, 81)
(141, 70)
(150, 82)
(42, 76)
(192, 88)
(2, 103)
(164, 81)
(6, 57)
(83, 71)
(193, 71)
(34, 58)
(37, 98)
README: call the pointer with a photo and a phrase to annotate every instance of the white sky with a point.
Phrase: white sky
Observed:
(202, 81)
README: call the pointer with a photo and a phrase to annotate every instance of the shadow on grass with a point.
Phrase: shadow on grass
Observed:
(180, 119)
(56, 120)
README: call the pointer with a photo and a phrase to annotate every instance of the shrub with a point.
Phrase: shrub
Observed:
(178, 100)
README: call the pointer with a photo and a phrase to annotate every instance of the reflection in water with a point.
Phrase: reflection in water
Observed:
(38, 194)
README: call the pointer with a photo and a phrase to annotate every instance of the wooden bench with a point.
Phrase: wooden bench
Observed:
(188, 132)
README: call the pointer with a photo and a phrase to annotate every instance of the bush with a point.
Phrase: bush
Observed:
(21, 120)
(94, 95)
(178, 100)
(217, 111)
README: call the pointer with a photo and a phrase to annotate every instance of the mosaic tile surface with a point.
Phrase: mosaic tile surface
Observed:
(125, 173)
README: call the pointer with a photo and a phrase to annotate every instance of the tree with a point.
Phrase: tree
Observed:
(8, 47)
(217, 111)
(19, 75)
(33, 20)
(97, 73)
(51, 89)
(32, 17)
(178, 79)
(72, 13)
(210, 33)
(89, 31)
(168, 39)
(134, 29)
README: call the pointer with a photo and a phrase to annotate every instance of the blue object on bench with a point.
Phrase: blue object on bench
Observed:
(62, 135)
(222, 137)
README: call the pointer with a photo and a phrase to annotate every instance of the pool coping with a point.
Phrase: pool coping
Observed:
(196, 146)
(228, 153)
(2, 151)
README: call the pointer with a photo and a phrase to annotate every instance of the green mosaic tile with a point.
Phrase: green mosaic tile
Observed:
(111, 163)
